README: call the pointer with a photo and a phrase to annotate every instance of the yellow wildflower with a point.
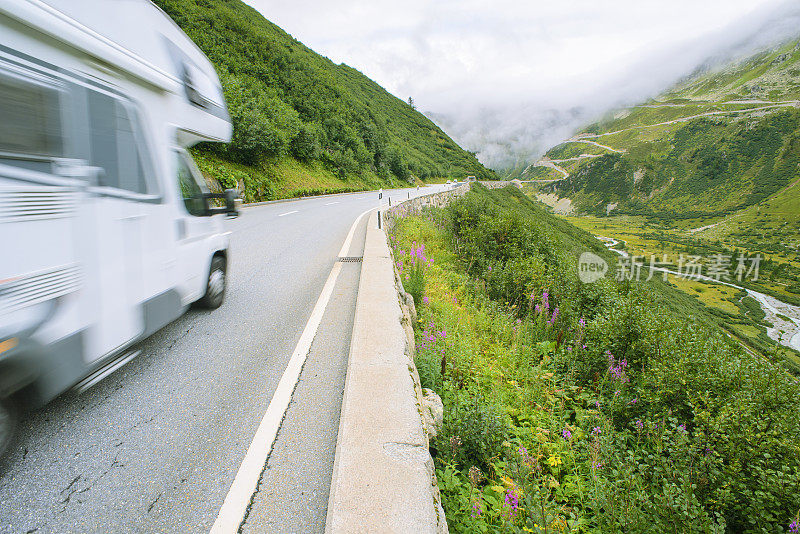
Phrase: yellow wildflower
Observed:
(554, 461)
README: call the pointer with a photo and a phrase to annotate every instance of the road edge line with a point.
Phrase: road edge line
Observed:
(245, 484)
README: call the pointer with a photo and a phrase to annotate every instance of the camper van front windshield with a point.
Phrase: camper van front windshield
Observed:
(191, 185)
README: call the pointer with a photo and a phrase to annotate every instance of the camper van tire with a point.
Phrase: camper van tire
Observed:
(215, 288)
(8, 423)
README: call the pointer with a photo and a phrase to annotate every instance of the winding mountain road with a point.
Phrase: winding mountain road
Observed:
(588, 138)
(584, 136)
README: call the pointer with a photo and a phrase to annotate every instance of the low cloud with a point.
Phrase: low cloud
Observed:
(509, 79)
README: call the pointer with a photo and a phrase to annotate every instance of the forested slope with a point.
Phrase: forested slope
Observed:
(303, 124)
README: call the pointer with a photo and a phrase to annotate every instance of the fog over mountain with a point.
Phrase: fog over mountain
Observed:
(508, 80)
(512, 134)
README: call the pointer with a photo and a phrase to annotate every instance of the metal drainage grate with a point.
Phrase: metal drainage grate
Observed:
(351, 259)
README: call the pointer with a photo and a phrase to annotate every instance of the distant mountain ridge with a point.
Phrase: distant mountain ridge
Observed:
(770, 74)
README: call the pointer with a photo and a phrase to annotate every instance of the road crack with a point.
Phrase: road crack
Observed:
(152, 504)
(180, 337)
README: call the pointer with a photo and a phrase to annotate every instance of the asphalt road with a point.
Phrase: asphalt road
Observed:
(156, 446)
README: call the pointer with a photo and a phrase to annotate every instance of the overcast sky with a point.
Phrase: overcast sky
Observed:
(497, 73)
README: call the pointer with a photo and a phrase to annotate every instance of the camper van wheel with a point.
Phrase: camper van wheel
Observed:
(215, 288)
(8, 424)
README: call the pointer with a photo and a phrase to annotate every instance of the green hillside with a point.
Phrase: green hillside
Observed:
(768, 75)
(303, 124)
(715, 144)
(710, 167)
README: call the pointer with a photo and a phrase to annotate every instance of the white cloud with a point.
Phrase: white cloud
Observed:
(498, 73)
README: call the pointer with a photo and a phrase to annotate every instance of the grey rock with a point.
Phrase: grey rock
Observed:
(408, 300)
(432, 412)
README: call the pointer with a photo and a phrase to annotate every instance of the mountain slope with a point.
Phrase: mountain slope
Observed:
(769, 75)
(711, 167)
(288, 103)
(715, 144)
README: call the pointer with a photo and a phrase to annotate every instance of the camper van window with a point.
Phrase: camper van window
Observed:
(31, 119)
(191, 192)
(113, 144)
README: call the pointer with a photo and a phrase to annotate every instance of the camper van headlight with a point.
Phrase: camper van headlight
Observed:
(8, 344)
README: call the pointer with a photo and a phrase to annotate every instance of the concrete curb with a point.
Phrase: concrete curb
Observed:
(383, 476)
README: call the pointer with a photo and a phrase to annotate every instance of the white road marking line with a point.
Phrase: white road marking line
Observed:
(349, 238)
(332, 203)
(245, 484)
(287, 213)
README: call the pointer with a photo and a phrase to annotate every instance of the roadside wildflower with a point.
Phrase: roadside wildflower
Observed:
(617, 368)
(582, 323)
(596, 431)
(682, 428)
(793, 527)
(554, 461)
(511, 503)
(425, 300)
(639, 424)
(554, 317)
(476, 509)
(566, 433)
(529, 460)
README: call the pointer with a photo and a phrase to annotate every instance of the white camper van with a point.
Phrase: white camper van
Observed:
(108, 230)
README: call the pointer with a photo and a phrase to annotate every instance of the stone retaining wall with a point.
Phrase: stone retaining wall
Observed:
(434, 200)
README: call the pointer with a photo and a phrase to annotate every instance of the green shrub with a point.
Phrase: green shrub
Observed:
(473, 431)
